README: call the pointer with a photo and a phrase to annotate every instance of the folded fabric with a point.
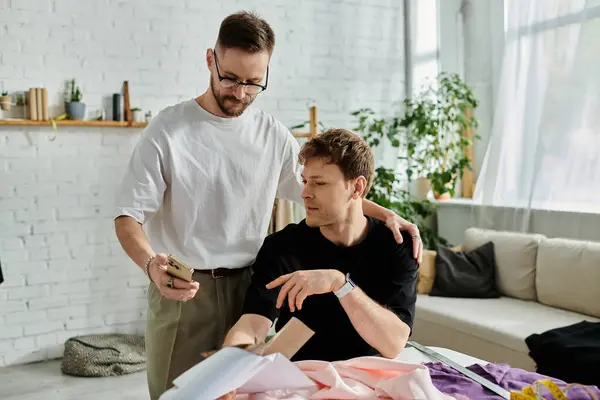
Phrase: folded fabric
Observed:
(570, 353)
(362, 378)
(449, 381)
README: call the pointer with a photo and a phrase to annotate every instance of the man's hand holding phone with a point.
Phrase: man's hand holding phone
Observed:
(170, 286)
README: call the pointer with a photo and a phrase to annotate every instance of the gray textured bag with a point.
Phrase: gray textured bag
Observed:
(108, 354)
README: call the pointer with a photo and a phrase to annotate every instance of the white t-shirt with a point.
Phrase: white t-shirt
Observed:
(204, 187)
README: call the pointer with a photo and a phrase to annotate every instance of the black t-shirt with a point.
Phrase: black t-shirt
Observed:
(384, 270)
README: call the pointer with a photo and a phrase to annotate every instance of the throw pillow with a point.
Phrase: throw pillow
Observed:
(426, 272)
(468, 274)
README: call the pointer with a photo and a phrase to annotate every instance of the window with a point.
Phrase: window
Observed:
(543, 152)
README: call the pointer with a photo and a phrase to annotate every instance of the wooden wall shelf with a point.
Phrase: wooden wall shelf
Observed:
(106, 124)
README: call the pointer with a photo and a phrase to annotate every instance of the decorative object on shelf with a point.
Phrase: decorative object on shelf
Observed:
(440, 133)
(20, 98)
(100, 114)
(126, 102)
(38, 104)
(20, 103)
(137, 114)
(5, 101)
(33, 100)
(148, 116)
(116, 107)
(75, 107)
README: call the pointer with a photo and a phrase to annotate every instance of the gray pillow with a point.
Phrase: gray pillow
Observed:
(470, 274)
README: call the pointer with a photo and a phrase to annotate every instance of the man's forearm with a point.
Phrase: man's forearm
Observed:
(376, 211)
(250, 329)
(238, 336)
(133, 239)
(378, 326)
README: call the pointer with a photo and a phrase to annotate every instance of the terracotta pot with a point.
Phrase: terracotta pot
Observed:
(442, 197)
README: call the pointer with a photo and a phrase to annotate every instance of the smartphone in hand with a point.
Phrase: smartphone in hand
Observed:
(179, 270)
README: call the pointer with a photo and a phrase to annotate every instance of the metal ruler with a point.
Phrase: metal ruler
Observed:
(500, 391)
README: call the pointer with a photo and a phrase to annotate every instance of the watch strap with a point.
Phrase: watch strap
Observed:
(346, 287)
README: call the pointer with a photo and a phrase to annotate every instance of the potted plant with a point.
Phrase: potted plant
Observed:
(20, 99)
(5, 101)
(388, 190)
(74, 107)
(137, 114)
(436, 119)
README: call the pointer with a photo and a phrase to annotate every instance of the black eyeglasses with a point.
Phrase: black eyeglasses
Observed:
(250, 88)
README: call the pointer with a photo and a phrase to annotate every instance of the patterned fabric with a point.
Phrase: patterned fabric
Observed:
(104, 355)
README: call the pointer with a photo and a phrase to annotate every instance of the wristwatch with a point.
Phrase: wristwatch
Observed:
(346, 288)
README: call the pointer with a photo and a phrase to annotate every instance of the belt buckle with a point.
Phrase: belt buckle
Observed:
(212, 272)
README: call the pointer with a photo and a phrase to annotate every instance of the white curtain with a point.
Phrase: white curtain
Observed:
(544, 150)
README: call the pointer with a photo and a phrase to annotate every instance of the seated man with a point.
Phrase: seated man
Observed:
(339, 272)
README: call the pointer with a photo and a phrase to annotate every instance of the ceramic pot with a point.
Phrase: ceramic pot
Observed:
(76, 110)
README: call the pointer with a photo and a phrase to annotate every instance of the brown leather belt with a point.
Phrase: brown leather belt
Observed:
(220, 272)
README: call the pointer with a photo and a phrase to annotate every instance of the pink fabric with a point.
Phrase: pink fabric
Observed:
(361, 378)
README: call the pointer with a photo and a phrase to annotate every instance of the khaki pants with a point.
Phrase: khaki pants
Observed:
(177, 332)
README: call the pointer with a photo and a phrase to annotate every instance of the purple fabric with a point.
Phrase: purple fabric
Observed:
(450, 381)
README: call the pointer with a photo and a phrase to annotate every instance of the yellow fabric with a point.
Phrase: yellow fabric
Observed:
(535, 391)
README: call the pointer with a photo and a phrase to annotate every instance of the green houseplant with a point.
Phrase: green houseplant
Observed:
(387, 189)
(137, 114)
(74, 106)
(435, 120)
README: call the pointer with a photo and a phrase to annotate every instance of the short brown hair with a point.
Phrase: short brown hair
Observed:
(345, 149)
(246, 31)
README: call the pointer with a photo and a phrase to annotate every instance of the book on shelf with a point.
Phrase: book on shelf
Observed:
(38, 104)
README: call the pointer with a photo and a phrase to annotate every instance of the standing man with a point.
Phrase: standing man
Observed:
(202, 180)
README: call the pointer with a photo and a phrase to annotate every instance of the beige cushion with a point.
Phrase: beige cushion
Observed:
(505, 321)
(515, 255)
(426, 272)
(568, 274)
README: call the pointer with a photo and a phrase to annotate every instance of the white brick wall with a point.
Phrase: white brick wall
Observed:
(64, 269)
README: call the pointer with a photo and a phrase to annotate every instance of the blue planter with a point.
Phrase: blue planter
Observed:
(75, 110)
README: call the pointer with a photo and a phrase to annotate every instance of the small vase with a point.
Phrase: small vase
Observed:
(76, 110)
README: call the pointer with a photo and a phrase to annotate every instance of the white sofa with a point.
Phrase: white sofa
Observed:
(545, 283)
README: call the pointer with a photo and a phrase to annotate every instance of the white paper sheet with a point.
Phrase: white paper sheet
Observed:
(231, 369)
(280, 373)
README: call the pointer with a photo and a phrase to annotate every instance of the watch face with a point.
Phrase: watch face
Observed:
(350, 281)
